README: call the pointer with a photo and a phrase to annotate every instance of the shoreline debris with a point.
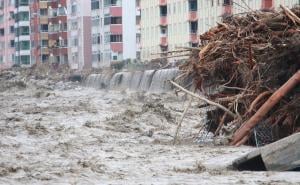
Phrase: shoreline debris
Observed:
(250, 65)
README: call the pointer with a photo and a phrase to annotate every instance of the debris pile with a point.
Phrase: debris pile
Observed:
(250, 65)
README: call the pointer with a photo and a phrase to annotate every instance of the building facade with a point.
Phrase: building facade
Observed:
(58, 31)
(168, 24)
(22, 33)
(115, 31)
(41, 32)
(39, 35)
(7, 33)
(79, 34)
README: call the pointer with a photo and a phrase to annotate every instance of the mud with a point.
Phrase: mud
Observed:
(62, 133)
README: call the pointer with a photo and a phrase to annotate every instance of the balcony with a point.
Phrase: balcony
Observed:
(115, 11)
(163, 21)
(116, 46)
(43, 20)
(43, 4)
(44, 36)
(58, 51)
(163, 41)
(116, 29)
(45, 50)
(193, 16)
(162, 2)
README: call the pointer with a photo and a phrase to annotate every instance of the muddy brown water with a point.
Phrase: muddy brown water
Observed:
(83, 136)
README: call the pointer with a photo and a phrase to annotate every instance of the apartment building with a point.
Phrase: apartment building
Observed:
(58, 31)
(212, 11)
(39, 33)
(7, 33)
(115, 31)
(168, 24)
(22, 33)
(79, 34)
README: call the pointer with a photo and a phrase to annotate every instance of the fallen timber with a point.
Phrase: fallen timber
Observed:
(249, 66)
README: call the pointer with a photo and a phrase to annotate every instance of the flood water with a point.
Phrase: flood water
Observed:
(80, 135)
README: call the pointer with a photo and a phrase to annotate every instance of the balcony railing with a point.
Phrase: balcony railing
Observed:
(163, 41)
(162, 2)
(163, 21)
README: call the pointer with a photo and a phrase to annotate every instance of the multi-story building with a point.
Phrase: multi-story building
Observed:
(39, 31)
(7, 33)
(22, 33)
(79, 34)
(115, 31)
(167, 24)
(58, 31)
(211, 12)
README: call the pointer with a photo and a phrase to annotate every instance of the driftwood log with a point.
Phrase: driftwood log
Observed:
(244, 131)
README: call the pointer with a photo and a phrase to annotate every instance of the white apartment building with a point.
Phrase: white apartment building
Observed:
(115, 31)
(79, 34)
(167, 24)
(211, 11)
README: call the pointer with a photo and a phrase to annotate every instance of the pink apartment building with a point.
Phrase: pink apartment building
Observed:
(7, 35)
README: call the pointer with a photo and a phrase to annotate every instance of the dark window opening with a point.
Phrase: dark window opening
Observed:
(193, 6)
(163, 11)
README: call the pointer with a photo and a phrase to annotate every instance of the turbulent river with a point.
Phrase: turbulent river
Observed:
(69, 134)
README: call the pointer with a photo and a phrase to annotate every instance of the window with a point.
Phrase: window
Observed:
(95, 21)
(25, 59)
(44, 28)
(112, 20)
(1, 19)
(116, 38)
(12, 29)
(2, 32)
(95, 5)
(74, 25)
(96, 39)
(23, 30)
(112, 3)
(45, 58)
(44, 12)
(22, 16)
(12, 43)
(74, 8)
(24, 45)
(45, 43)
(193, 5)
(62, 11)
(227, 2)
